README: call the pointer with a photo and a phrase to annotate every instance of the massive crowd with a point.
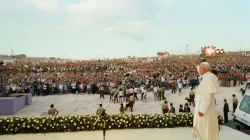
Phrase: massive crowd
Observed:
(174, 73)
(137, 79)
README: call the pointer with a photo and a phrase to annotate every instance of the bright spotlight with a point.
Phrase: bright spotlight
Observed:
(209, 51)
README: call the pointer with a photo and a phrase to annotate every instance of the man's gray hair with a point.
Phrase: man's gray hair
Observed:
(206, 65)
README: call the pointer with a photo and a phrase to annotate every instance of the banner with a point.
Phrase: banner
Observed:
(149, 60)
(131, 60)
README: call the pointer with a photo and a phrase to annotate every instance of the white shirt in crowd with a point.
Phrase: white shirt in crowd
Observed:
(14, 87)
(73, 86)
(155, 89)
(162, 79)
(131, 90)
(243, 87)
(136, 90)
(81, 86)
(120, 93)
(141, 89)
(61, 87)
(179, 85)
(88, 86)
(112, 84)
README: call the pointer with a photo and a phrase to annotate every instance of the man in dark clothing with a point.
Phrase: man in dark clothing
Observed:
(192, 82)
(186, 108)
(172, 109)
(181, 109)
(225, 110)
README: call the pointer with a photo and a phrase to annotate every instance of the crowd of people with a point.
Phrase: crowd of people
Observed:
(172, 73)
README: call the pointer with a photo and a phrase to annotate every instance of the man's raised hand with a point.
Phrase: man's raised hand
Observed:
(194, 62)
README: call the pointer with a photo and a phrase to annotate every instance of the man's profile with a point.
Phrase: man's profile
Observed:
(205, 124)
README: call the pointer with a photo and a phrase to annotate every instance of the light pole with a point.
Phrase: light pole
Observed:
(240, 46)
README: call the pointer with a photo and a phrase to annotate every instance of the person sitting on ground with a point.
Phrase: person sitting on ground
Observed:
(186, 108)
(100, 110)
(52, 111)
(172, 109)
(181, 109)
(165, 108)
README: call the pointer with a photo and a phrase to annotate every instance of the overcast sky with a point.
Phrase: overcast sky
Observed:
(84, 29)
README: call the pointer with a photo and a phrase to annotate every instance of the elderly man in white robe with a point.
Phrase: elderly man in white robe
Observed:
(205, 123)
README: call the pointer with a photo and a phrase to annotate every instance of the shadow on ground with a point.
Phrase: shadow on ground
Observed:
(232, 124)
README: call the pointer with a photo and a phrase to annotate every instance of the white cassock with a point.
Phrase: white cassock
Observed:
(206, 127)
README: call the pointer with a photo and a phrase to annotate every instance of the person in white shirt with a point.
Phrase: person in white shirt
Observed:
(144, 91)
(131, 90)
(120, 95)
(248, 83)
(14, 88)
(205, 109)
(184, 83)
(136, 92)
(179, 87)
(73, 85)
(162, 79)
(243, 88)
(53, 88)
(60, 88)
(81, 89)
(88, 88)
(155, 89)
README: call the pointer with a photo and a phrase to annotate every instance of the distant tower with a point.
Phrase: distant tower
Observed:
(187, 48)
